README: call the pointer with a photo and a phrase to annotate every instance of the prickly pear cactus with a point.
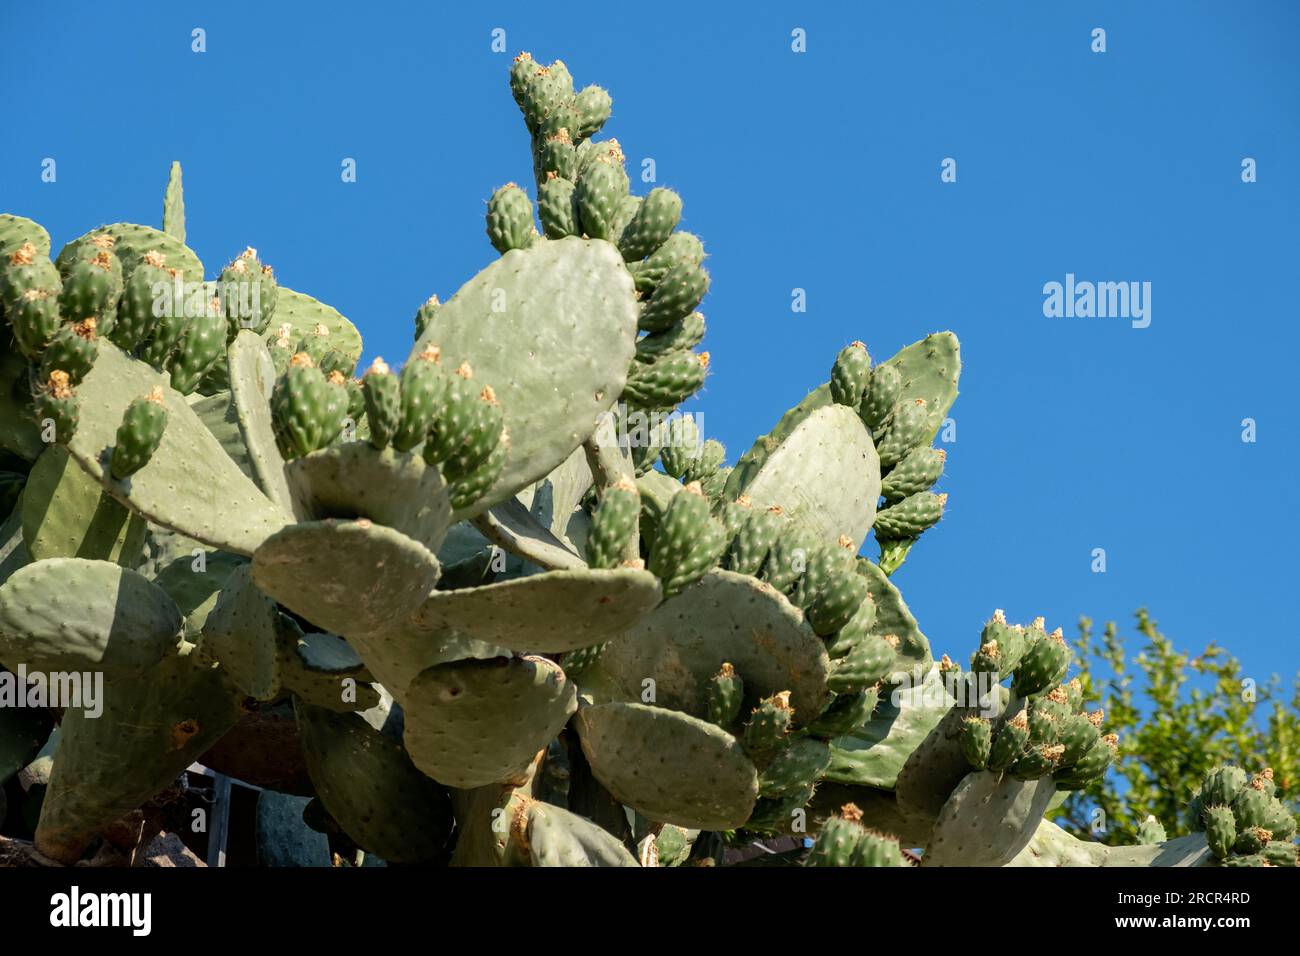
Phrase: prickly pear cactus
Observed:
(522, 611)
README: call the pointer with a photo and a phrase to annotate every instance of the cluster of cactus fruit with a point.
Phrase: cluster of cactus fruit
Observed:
(520, 610)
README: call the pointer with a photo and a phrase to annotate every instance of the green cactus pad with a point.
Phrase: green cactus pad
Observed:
(511, 526)
(83, 615)
(133, 242)
(225, 509)
(475, 722)
(557, 837)
(988, 820)
(391, 488)
(893, 617)
(388, 574)
(1052, 846)
(823, 473)
(549, 613)
(668, 766)
(725, 618)
(67, 514)
(566, 306)
(874, 754)
(252, 380)
(243, 634)
(303, 314)
(366, 780)
(149, 732)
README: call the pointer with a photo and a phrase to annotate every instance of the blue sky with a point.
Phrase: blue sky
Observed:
(820, 171)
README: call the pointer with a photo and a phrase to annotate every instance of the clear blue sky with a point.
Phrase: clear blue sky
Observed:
(818, 170)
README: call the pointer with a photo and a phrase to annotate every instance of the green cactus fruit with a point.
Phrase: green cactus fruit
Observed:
(681, 446)
(1251, 806)
(779, 815)
(918, 470)
(139, 435)
(593, 106)
(1044, 663)
(1078, 733)
(92, 282)
(845, 714)
(902, 431)
(475, 485)
(1222, 784)
(768, 724)
(356, 400)
(868, 663)
(1251, 840)
(677, 294)
(754, 539)
(1038, 760)
(911, 516)
(452, 425)
(725, 693)
(837, 840)
(424, 315)
(510, 219)
(1002, 645)
(599, 194)
(1151, 831)
(248, 293)
(424, 389)
(1253, 859)
(57, 408)
(482, 433)
(878, 849)
(30, 288)
(848, 637)
(654, 222)
(1055, 702)
(882, 393)
(1091, 766)
(837, 602)
(789, 556)
(1042, 727)
(199, 349)
(628, 207)
(1264, 781)
(1280, 853)
(850, 375)
(976, 740)
(795, 767)
(522, 76)
(667, 381)
(688, 541)
(680, 248)
(732, 514)
(73, 350)
(1220, 829)
(706, 464)
(303, 409)
(557, 208)
(382, 393)
(613, 525)
(546, 90)
(685, 333)
(556, 157)
(577, 662)
(1009, 742)
(826, 563)
(136, 317)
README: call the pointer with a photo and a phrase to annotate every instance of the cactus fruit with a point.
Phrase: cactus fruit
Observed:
(139, 435)
(382, 393)
(1220, 829)
(613, 524)
(92, 282)
(725, 694)
(688, 542)
(850, 375)
(844, 841)
(667, 381)
(754, 540)
(57, 407)
(911, 516)
(424, 389)
(837, 602)
(903, 430)
(870, 661)
(883, 389)
(685, 333)
(768, 724)
(846, 713)
(1045, 662)
(918, 470)
(653, 223)
(305, 415)
(72, 350)
(794, 768)
(679, 290)
(510, 219)
(977, 741)
(248, 293)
